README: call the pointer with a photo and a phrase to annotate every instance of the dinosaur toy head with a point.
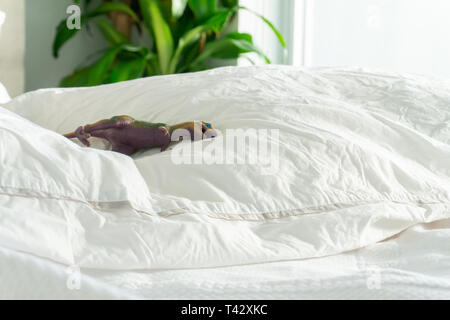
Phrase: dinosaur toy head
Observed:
(193, 130)
(208, 131)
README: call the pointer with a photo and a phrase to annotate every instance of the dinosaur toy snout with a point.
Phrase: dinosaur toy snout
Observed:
(208, 131)
(210, 134)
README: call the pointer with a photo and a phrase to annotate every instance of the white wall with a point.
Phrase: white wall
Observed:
(31, 24)
(399, 35)
(42, 70)
(12, 43)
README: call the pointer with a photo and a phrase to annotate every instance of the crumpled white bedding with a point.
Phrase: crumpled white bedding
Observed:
(413, 265)
(362, 157)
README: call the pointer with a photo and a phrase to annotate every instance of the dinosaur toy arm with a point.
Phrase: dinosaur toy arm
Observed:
(83, 133)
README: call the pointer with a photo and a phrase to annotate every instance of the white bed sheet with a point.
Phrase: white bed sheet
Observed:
(413, 265)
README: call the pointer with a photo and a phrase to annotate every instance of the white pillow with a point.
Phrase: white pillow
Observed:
(4, 96)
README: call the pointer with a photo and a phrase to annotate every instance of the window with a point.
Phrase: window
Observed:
(398, 35)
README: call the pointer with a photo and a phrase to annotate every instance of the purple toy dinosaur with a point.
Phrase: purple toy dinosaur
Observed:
(128, 135)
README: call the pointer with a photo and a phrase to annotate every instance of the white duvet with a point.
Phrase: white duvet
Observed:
(362, 157)
(413, 265)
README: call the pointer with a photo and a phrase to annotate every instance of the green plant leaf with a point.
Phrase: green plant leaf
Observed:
(220, 19)
(190, 37)
(199, 68)
(129, 69)
(108, 69)
(99, 70)
(108, 7)
(153, 67)
(215, 23)
(111, 34)
(234, 51)
(64, 34)
(270, 24)
(229, 47)
(203, 8)
(92, 75)
(78, 78)
(229, 3)
(142, 50)
(178, 8)
(161, 30)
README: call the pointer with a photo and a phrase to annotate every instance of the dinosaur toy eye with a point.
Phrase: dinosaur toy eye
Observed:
(208, 126)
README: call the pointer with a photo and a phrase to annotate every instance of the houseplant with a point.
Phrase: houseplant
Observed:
(181, 35)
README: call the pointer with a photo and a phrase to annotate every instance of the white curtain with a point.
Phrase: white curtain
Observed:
(12, 46)
(279, 12)
(398, 35)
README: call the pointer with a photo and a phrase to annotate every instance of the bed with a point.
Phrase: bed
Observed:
(336, 186)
